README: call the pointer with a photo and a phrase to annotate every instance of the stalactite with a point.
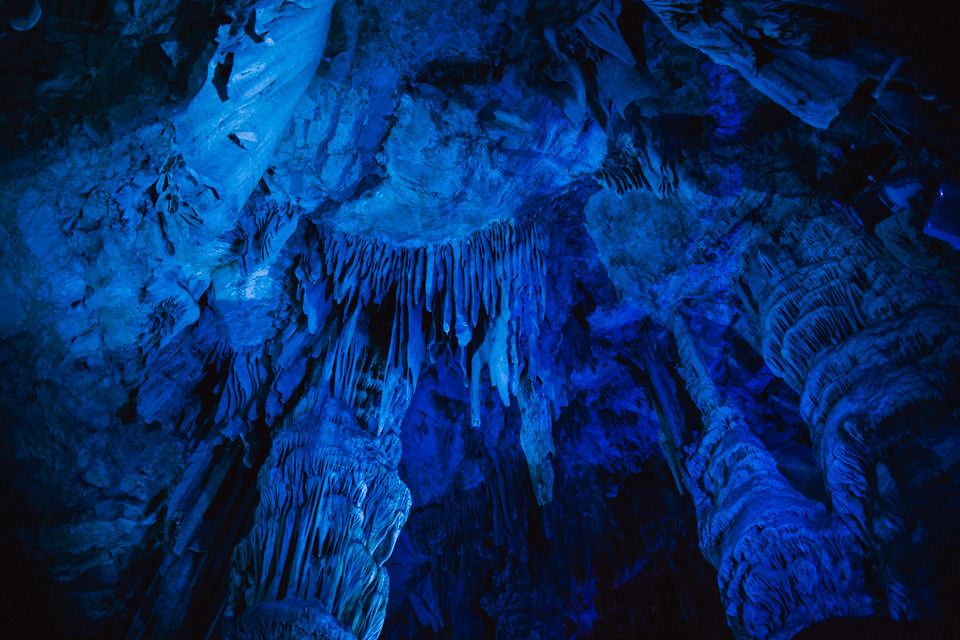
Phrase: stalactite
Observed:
(480, 292)
(327, 518)
(642, 162)
(660, 385)
(482, 296)
(536, 439)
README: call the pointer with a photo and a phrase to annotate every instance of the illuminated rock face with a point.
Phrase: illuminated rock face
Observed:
(872, 348)
(331, 507)
(765, 42)
(514, 319)
(783, 561)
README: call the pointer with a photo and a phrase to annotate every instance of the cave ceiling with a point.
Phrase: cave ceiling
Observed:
(495, 319)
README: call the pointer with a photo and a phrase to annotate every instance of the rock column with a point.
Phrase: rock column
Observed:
(874, 350)
(783, 562)
(331, 507)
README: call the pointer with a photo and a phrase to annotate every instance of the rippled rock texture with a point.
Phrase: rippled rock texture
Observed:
(331, 507)
(508, 319)
(871, 347)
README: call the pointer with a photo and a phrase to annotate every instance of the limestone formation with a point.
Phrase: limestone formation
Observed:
(783, 561)
(870, 346)
(331, 507)
(514, 319)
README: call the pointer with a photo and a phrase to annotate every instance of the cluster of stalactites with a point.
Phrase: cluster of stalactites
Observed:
(481, 295)
(331, 508)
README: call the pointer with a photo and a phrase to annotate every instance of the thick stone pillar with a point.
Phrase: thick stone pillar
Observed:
(874, 350)
(783, 561)
(331, 507)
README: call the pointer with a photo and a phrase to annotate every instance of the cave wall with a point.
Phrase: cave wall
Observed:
(510, 319)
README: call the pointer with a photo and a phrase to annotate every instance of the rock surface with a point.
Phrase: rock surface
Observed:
(513, 319)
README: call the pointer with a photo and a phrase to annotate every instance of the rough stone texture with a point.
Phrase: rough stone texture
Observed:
(782, 560)
(331, 507)
(782, 49)
(871, 345)
(576, 273)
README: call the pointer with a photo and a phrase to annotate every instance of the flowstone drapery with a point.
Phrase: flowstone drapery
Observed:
(331, 507)
(331, 504)
(874, 350)
(579, 259)
(783, 561)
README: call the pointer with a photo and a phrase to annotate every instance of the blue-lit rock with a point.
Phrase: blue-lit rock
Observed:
(514, 319)
(331, 508)
(783, 561)
(864, 339)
